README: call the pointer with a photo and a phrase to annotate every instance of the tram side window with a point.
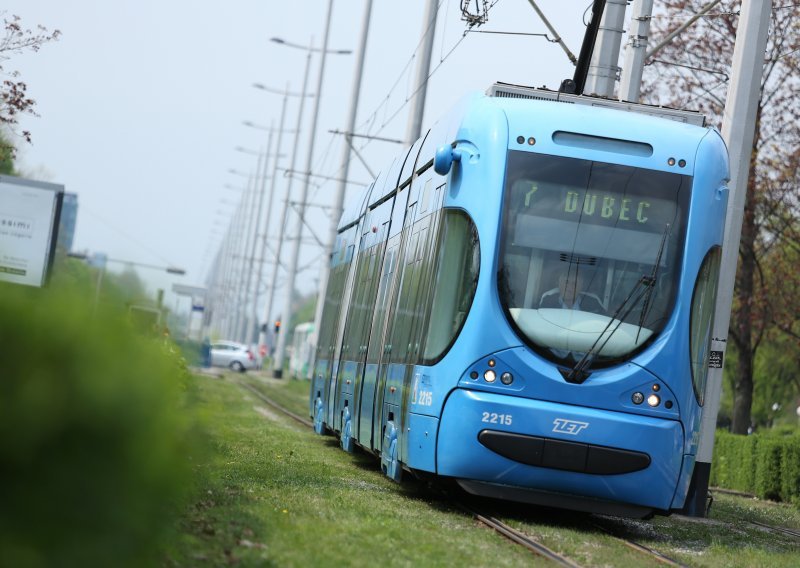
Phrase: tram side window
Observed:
(332, 304)
(376, 340)
(454, 284)
(704, 300)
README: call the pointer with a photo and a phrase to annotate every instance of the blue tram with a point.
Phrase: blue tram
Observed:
(523, 301)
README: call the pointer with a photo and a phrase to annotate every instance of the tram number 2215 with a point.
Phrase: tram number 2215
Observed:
(494, 418)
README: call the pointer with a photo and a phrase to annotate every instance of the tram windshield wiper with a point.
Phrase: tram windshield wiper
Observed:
(643, 288)
(654, 275)
(578, 373)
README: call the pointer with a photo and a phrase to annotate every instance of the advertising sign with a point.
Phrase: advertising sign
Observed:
(29, 214)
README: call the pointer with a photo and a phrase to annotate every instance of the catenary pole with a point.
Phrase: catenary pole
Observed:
(241, 294)
(291, 272)
(630, 84)
(738, 131)
(344, 168)
(254, 276)
(287, 194)
(423, 66)
(262, 334)
(605, 58)
(252, 243)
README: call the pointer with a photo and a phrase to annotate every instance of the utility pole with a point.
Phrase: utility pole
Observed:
(630, 84)
(738, 131)
(423, 67)
(230, 273)
(261, 179)
(604, 63)
(252, 242)
(338, 201)
(241, 295)
(286, 321)
(262, 334)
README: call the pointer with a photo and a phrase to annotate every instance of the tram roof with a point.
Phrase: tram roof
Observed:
(507, 90)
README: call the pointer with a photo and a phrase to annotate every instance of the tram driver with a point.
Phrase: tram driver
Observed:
(571, 294)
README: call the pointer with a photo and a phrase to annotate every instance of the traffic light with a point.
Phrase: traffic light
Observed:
(277, 326)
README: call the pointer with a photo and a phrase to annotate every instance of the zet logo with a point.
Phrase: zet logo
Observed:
(571, 427)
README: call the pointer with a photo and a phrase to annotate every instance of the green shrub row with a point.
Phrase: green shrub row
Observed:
(767, 465)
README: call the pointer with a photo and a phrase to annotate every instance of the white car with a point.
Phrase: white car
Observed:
(235, 356)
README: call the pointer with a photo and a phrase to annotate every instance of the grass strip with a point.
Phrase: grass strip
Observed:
(271, 493)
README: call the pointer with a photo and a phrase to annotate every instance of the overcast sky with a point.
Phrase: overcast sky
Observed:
(141, 104)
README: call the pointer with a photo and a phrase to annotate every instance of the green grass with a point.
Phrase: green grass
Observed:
(272, 493)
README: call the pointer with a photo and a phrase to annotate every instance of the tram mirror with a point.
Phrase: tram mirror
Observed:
(443, 160)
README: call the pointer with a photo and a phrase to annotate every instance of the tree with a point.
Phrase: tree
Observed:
(693, 72)
(14, 99)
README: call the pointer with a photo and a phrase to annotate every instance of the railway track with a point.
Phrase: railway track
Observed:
(517, 536)
(777, 530)
(659, 556)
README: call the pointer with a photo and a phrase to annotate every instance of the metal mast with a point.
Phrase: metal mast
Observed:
(423, 66)
(294, 256)
(344, 168)
(738, 131)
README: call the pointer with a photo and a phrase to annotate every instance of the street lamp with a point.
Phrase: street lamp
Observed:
(324, 49)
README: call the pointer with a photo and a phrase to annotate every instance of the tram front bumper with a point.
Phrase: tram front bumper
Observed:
(559, 448)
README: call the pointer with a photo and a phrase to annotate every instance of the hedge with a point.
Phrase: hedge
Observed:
(765, 464)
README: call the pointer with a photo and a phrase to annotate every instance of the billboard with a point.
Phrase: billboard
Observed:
(29, 216)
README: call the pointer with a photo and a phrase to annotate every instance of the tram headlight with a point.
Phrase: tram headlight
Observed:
(506, 378)
(490, 376)
(637, 398)
(653, 400)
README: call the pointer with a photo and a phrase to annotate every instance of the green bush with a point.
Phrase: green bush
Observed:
(768, 469)
(766, 464)
(93, 440)
(790, 478)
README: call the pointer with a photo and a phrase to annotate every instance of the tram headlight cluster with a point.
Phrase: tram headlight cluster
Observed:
(653, 400)
(491, 374)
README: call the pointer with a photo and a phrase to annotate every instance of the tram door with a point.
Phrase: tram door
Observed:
(335, 345)
(402, 346)
(370, 288)
(380, 346)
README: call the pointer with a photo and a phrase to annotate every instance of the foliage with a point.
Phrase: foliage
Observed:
(6, 158)
(776, 389)
(93, 439)
(14, 99)
(693, 71)
(766, 464)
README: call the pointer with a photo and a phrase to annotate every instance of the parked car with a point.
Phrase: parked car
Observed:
(235, 356)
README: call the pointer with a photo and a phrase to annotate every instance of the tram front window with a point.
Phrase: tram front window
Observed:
(590, 254)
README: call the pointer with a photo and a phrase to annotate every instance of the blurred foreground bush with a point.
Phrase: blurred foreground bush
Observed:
(93, 437)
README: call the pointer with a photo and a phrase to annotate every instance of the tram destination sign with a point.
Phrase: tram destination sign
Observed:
(29, 216)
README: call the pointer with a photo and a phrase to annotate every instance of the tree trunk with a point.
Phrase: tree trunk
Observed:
(743, 383)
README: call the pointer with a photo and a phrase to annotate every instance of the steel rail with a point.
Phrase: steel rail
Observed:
(640, 547)
(275, 405)
(784, 530)
(519, 537)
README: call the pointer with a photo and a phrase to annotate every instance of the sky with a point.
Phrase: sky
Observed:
(141, 106)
